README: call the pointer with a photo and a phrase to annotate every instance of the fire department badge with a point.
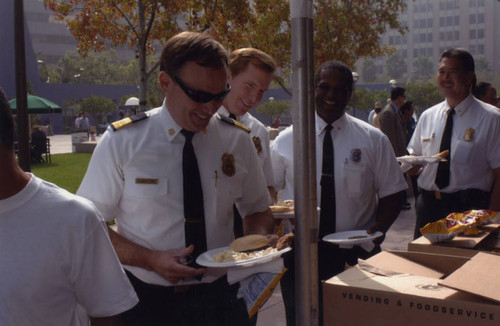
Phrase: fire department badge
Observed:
(257, 143)
(469, 134)
(228, 167)
(356, 155)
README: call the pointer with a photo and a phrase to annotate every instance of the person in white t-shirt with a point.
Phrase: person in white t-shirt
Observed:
(57, 264)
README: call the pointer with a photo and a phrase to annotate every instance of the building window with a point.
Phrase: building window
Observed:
(480, 49)
(442, 21)
(473, 49)
(480, 3)
(480, 33)
(391, 40)
(449, 21)
(429, 22)
(429, 37)
(472, 18)
(397, 39)
(441, 36)
(472, 34)
(456, 35)
(449, 36)
(415, 53)
(415, 23)
(456, 20)
(480, 18)
(429, 52)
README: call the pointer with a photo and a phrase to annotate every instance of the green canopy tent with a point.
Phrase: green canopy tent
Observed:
(37, 105)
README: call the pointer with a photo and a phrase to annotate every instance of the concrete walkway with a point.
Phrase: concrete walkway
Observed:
(273, 311)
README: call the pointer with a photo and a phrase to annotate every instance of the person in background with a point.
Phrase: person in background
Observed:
(393, 126)
(170, 178)
(406, 111)
(376, 110)
(376, 117)
(359, 181)
(38, 144)
(470, 130)
(58, 266)
(485, 92)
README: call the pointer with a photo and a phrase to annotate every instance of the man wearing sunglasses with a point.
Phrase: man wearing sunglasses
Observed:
(250, 73)
(170, 180)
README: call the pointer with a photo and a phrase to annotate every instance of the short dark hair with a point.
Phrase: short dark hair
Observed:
(6, 122)
(407, 106)
(397, 92)
(465, 59)
(481, 89)
(336, 65)
(191, 46)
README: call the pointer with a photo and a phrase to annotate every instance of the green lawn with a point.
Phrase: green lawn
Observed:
(66, 170)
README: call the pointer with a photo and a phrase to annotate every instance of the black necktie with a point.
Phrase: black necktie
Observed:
(443, 171)
(194, 215)
(327, 214)
(238, 223)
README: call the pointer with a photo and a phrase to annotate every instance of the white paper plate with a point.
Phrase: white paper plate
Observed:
(420, 159)
(206, 258)
(287, 215)
(351, 237)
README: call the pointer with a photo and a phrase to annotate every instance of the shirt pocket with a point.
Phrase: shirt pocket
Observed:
(353, 179)
(463, 153)
(145, 187)
(427, 142)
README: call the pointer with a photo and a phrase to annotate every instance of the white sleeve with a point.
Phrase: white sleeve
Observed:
(103, 183)
(278, 165)
(101, 285)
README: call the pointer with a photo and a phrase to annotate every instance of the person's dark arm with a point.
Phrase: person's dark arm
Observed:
(387, 212)
(259, 223)
(495, 193)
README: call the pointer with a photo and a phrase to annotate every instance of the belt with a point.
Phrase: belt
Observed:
(449, 196)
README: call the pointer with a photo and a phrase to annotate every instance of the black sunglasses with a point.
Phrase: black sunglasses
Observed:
(201, 96)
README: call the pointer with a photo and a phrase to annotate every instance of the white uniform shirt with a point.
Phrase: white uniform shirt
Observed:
(57, 264)
(135, 175)
(475, 144)
(259, 135)
(365, 169)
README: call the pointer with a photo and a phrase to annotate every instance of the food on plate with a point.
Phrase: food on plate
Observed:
(443, 154)
(357, 237)
(276, 209)
(249, 243)
(283, 206)
(252, 246)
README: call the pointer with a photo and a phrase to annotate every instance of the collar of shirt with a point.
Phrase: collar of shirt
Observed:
(337, 124)
(170, 127)
(395, 106)
(461, 108)
(222, 110)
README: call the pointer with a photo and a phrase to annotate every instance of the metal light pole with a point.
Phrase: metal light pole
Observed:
(21, 94)
(304, 158)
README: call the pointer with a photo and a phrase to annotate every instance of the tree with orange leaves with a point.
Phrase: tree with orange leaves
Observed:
(344, 30)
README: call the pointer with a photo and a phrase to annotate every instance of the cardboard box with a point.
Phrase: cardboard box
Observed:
(461, 245)
(413, 288)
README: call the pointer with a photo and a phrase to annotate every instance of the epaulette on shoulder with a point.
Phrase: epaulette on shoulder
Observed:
(117, 125)
(233, 122)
